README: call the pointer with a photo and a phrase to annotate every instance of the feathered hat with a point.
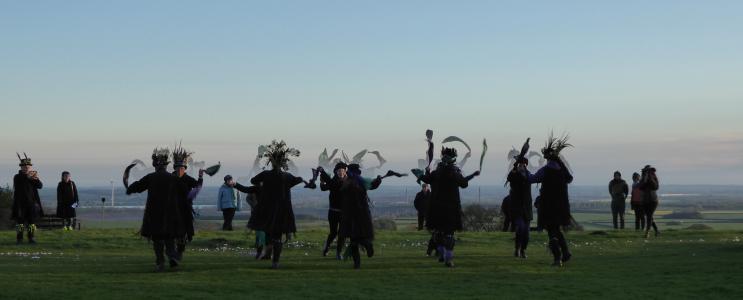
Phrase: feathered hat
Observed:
(448, 155)
(160, 157)
(25, 161)
(554, 146)
(278, 154)
(180, 157)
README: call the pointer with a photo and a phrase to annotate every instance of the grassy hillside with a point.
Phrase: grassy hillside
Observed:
(117, 264)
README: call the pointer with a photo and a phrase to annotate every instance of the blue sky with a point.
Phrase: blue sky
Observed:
(89, 85)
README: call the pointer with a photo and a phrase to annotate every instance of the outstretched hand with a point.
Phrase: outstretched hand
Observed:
(477, 173)
(201, 173)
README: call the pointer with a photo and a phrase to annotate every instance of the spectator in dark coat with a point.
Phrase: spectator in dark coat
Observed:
(67, 200)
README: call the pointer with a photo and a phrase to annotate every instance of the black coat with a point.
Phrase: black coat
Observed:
(66, 196)
(445, 209)
(26, 201)
(554, 203)
(356, 219)
(519, 197)
(649, 189)
(277, 197)
(421, 202)
(257, 210)
(183, 186)
(335, 199)
(162, 215)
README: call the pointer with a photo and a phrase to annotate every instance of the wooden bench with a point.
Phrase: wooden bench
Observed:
(54, 222)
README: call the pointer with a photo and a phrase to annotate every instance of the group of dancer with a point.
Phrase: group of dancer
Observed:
(168, 217)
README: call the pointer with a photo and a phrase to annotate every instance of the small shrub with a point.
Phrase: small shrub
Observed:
(685, 214)
(478, 218)
(385, 224)
(6, 204)
(699, 227)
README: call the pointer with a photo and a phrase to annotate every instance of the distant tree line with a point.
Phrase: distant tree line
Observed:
(6, 204)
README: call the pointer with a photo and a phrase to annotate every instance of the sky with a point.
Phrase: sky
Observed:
(87, 86)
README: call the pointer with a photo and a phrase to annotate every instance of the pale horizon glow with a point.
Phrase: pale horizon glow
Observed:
(89, 86)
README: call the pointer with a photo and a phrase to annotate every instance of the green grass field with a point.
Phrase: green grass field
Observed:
(117, 264)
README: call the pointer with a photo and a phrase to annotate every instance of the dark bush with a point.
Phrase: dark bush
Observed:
(6, 204)
(385, 224)
(479, 218)
(699, 227)
(685, 214)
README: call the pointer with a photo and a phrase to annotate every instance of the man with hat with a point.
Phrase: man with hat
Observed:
(275, 188)
(618, 189)
(162, 222)
(356, 222)
(520, 204)
(554, 203)
(445, 209)
(26, 202)
(184, 184)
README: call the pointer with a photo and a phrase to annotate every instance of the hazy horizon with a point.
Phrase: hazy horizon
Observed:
(88, 86)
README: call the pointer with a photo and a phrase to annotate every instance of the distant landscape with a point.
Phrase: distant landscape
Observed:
(716, 206)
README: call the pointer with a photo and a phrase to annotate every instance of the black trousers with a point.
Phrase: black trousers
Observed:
(334, 221)
(508, 224)
(421, 220)
(639, 218)
(355, 254)
(557, 243)
(277, 246)
(228, 214)
(164, 247)
(617, 210)
(649, 210)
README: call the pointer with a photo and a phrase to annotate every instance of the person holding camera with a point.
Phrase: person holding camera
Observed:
(26, 202)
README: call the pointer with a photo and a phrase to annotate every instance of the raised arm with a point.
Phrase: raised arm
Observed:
(292, 180)
(375, 183)
(138, 186)
(246, 189)
(36, 183)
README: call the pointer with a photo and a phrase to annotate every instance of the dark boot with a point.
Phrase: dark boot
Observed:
(277, 248)
(431, 246)
(566, 255)
(368, 247)
(339, 249)
(356, 255)
(555, 249)
(326, 249)
(181, 248)
(172, 253)
(267, 252)
(159, 247)
(259, 252)
(31, 230)
(449, 258)
(19, 229)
